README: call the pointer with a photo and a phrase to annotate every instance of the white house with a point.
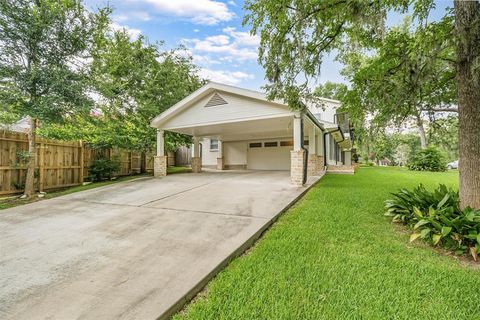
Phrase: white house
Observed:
(235, 128)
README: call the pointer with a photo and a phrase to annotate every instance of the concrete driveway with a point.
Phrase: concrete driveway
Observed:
(133, 250)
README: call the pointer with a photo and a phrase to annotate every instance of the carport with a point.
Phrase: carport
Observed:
(252, 132)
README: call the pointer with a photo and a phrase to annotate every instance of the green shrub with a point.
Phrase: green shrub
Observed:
(429, 159)
(103, 168)
(436, 217)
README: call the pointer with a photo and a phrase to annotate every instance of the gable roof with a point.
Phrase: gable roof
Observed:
(204, 91)
(211, 87)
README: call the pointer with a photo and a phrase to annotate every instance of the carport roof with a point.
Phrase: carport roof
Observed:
(211, 87)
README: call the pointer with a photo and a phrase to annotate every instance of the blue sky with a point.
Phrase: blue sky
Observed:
(213, 34)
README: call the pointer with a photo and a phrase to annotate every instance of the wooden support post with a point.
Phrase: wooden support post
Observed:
(81, 160)
(41, 168)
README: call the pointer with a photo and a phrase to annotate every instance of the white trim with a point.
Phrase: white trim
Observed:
(201, 124)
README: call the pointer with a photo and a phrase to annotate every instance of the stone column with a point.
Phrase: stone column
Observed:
(312, 152)
(197, 157)
(296, 167)
(297, 154)
(160, 160)
(220, 159)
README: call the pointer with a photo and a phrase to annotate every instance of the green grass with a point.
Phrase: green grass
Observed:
(335, 256)
(173, 170)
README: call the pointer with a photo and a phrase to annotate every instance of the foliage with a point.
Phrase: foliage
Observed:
(104, 168)
(436, 217)
(331, 90)
(443, 133)
(429, 159)
(135, 81)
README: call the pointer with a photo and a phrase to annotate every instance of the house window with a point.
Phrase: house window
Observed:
(270, 144)
(255, 145)
(305, 142)
(288, 143)
(213, 144)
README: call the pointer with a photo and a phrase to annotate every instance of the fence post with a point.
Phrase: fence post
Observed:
(41, 168)
(81, 160)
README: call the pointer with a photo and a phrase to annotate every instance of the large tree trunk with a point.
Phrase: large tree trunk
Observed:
(32, 152)
(467, 27)
(421, 132)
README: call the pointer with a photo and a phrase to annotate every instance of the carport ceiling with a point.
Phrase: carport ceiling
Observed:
(244, 130)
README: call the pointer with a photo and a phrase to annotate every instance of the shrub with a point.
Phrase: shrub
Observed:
(429, 159)
(103, 168)
(436, 217)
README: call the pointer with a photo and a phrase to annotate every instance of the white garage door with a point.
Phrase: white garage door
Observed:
(269, 155)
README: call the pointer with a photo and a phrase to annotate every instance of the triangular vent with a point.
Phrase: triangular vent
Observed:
(216, 100)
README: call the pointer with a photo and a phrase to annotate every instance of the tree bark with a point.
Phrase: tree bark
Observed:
(421, 132)
(32, 155)
(467, 28)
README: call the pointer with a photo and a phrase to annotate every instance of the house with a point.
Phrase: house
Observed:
(235, 128)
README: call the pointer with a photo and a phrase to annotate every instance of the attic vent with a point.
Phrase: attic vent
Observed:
(216, 100)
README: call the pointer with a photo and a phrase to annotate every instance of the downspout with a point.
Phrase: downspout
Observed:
(325, 149)
(305, 159)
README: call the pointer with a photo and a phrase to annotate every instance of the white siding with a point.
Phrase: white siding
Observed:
(235, 153)
(328, 114)
(209, 158)
(238, 108)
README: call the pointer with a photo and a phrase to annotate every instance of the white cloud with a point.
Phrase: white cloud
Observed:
(207, 12)
(232, 3)
(132, 32)
(224, 76)
(196, 30)
(132, 15)
(232, 45)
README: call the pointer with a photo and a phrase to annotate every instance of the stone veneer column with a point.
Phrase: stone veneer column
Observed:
(320, 164)
(220, 163)
(312, 169)
(196, 164)
(296, 167)
(159, 166)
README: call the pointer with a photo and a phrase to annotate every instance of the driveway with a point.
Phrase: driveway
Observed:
(132, 250)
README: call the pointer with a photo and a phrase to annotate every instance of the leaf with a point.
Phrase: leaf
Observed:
(478, 238)
(444, 200)
(473, 252)
(436, 238)
(446, 231)
(414, 236)
(420, 223)
(431, 212)
(425, 232)
(417, 212)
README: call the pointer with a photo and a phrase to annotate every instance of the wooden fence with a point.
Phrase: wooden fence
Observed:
(58, 164)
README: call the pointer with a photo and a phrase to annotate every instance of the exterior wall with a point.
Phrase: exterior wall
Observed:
(312, 168)
(235, 154)
(269, 158)
(325, 110)
(209, 157)
(237, 107)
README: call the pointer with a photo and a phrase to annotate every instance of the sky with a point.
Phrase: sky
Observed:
(213, 34)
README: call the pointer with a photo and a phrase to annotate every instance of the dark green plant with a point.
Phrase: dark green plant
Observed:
(103, 168)
(429, 159)
(436, 217)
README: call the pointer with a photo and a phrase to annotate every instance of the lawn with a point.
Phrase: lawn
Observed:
(335, 256)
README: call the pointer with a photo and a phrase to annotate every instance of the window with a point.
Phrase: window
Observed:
(255, 145)
(288, 143)
(305, 142)
(271, 144)
(213, 144)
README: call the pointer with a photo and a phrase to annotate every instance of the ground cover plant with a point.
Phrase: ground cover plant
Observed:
(436, 217)
(334, 256)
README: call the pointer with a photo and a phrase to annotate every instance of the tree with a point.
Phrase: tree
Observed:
(135, 81)
(296, 34)
(331, 90)
(443, 133)
(43, 46)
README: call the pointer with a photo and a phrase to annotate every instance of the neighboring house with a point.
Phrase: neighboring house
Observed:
(21, 126)
(235, 128)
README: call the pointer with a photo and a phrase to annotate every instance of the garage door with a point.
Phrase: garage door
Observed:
(269, 155)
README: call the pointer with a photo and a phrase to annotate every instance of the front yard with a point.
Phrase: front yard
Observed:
(334, 255)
